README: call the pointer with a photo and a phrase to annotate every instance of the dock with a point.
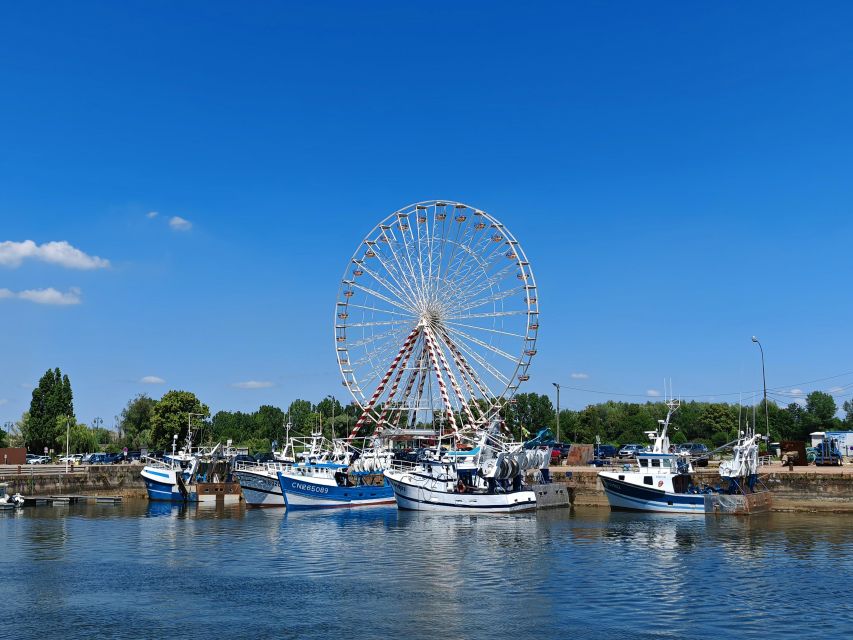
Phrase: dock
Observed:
(32, 501)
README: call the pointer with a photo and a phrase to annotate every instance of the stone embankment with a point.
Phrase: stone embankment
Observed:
(808, 488)
(803, 489)
(42, 480)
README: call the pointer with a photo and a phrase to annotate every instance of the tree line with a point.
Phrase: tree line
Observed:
(148, 423)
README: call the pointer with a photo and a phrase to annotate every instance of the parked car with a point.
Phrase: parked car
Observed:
(604, 451)
(31, 457)
(38, 459)
(134, 456)
(100, 458)
(559, 451)
(697, 451)
(630, 450)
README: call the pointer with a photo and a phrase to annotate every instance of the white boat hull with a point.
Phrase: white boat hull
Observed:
(417, 494)
(633, 497)
(260, 490)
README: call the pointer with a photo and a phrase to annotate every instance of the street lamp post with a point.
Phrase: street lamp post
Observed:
(558, 409)
(764, 381)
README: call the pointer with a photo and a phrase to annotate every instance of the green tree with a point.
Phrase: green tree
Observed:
(135, 421)
(848, 409)
(4, 440)
(51, 399)
(170, 417)
(820, 413)
(716, 419)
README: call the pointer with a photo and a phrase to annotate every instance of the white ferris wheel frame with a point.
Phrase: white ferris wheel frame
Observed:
(430, 326)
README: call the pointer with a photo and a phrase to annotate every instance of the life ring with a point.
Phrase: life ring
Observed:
(460, 487)
(660, 483)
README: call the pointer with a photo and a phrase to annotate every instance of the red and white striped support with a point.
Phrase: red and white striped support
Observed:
(466, 368)
(365, 414)
(411, 383)
(463, 402)
(400, 370)
(442, 387)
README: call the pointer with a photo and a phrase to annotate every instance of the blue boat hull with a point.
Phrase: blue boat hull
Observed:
(165, 492)
(630, 497)
(302, 494)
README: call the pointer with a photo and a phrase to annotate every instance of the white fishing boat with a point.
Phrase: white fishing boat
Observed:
(660, 480)
(7, 502)
(191, 474)
(259, 483)
(488, 478)
(341, 477)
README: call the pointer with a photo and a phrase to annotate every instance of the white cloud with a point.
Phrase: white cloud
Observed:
(653, 393)
(4, 401)
(253, 384)
(12, 254)
(45, 296)
(152, 380)
(180, 224)
(796, 392)
(580, 376)
(836, 389)
(152, 214)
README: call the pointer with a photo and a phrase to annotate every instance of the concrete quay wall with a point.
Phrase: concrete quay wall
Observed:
(827, 489)
(106, 480)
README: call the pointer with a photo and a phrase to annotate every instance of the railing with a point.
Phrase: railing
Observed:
(39, 469)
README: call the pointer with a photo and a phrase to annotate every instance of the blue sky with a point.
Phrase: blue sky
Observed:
(678, 173)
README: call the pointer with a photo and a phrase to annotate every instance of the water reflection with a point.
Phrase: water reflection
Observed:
(381, 572)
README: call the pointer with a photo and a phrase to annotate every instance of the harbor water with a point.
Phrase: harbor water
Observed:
(152, 570)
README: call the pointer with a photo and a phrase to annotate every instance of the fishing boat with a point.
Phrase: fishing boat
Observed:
(171, 478)
(341, 477)
(660, 481)
(664, 480)
(192, 474)
(7, 502)
(487, 478)
(259, 483)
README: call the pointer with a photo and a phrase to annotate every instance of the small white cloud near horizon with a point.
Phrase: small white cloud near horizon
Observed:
(152, 380)
(653, 393)
(796, 392)
(180, 224)
(579, 376)
(253, 384)
(45, 296)
(836, 390)
(13, 254)
(152, 214)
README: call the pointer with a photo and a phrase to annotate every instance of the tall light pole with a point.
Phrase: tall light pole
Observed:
(764, 381)
(558, 410)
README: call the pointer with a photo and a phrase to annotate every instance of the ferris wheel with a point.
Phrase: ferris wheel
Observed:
(436, 319)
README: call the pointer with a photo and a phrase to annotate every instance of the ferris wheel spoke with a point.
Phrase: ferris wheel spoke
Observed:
(401, 258)
(379, 323)
(468, 373)
(408, 314)
(481, 361)
(485, 345)
(398, 276)
(486, 329)
(493, 314)
(494, 298)
(398, 291)
(473, 286)
(373, 292)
